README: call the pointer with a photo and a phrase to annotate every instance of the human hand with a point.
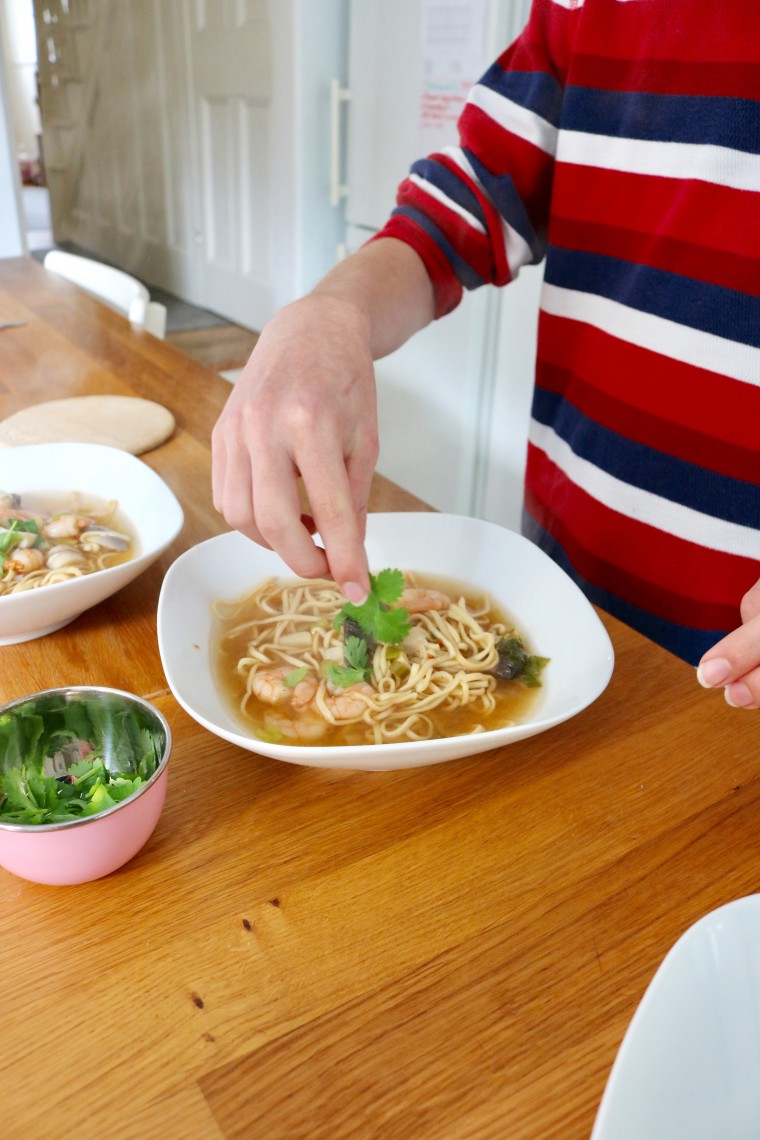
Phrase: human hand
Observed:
(734, 662)
(305, 406)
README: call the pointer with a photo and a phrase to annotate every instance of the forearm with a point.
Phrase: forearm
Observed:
(384, 289)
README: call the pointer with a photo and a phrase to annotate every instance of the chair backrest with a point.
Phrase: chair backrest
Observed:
(117, 289)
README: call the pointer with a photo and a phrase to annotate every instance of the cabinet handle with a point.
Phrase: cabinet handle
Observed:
(338, 95)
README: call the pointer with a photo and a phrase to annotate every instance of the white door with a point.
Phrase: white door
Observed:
(231, 75)
(175, 136)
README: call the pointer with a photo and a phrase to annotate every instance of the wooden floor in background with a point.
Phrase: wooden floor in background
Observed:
(221, 347)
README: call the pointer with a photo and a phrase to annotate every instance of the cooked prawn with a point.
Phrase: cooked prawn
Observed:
(417, 600)
(306, 725)
(269, 686)
(23, 560)
(349, 703)
(66, 526)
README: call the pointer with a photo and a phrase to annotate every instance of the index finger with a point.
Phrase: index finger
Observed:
(339, 520)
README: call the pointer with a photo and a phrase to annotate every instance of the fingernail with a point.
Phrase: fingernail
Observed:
(354, 592)
(737, 695)
(713, 672)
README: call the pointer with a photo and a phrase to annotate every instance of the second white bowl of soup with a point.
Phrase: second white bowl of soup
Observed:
(495, 644)
(78, 521)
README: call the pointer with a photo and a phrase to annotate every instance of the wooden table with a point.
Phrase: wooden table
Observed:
(449, 952)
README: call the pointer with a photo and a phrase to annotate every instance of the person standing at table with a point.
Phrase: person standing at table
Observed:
(620, 141)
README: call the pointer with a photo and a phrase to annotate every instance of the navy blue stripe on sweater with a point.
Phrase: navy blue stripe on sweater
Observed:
(501, 190)
(664, 475)
(698, 119)
(451, 185)
(536, 91)
(687, 643)
(713, 309)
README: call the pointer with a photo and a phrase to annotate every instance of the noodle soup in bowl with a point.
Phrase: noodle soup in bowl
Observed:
(507, 579)
(78, 521)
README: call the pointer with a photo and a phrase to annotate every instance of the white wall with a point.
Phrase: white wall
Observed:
(12, 228)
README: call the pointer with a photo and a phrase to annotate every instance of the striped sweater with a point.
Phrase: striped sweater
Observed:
(620, 141)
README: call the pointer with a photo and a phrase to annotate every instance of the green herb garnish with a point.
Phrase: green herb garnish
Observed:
(296, 676)
(375, 616)
(377, 620)
(11, 537)
(357, 665)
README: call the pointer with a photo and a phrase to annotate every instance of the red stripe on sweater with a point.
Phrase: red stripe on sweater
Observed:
(732, 80)
(659, 433)
(700, 32)
(652, 205)
(528, 166)
(675, 579)
(448, 291)
(724, 410)
(470, 243)
(731, 270)
(493, 246)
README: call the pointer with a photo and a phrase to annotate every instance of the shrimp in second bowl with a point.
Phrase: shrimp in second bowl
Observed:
(344, 705)
(272, 686)
(417, 600)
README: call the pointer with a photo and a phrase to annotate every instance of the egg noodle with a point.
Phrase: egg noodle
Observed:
(289, 643)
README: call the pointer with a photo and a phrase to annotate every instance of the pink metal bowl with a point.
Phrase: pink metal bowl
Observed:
(88, 847)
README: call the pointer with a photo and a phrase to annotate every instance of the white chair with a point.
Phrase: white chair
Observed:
(124, 294)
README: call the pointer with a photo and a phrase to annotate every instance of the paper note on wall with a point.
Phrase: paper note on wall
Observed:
(453, 58)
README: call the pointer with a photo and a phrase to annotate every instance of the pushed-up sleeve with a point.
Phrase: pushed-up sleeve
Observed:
(476, 212)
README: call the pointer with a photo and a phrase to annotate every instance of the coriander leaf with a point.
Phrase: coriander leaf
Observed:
(100, 799)
(374, 616)
(355, 653)
(387, 586)
(296, 677)
(356, 667)
(392, 626)
(344, 678)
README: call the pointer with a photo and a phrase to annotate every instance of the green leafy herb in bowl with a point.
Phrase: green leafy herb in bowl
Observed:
(71, 759)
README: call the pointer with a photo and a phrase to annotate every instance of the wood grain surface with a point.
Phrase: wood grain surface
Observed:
(449, 952)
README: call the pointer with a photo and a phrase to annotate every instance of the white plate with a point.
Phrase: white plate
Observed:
(548, 607)
(108, 473)
(689, 1064)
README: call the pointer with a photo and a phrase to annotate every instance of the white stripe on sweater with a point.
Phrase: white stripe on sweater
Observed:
(706, 163)
(512, 117)
(657, 334)
(644, 506)
(435, 192)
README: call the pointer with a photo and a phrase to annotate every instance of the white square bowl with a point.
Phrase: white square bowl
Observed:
(548, 607)
(143, 498)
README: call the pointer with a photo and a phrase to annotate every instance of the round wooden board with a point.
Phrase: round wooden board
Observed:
(127, 422)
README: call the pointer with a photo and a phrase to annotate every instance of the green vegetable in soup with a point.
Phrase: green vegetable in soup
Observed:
(79, 759)
(516, 664)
